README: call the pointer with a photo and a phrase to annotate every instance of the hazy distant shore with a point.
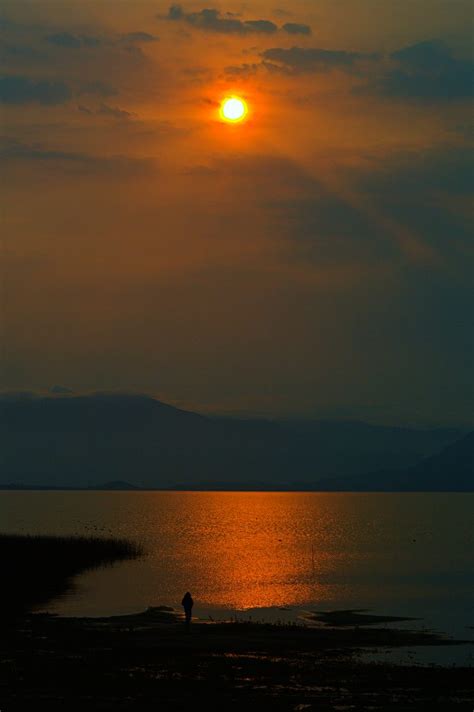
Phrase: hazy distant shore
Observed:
(133, 442)
(231, 487)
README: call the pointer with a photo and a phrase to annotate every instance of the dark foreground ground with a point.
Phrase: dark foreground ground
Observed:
(150, 662)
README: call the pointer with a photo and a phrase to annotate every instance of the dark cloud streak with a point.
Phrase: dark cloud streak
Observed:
(428, 71)
(70, 41)
(295, 28)
(80, 162)
(22, 90)
(212, 20)
(308, 59)
(139, 37)
(104, 110)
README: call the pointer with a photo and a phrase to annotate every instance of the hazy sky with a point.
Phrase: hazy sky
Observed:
(314, 259)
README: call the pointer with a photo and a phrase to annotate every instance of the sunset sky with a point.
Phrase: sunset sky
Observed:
(314, 259)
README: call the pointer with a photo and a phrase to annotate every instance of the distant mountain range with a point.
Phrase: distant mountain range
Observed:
(450, 470)
(133, 442)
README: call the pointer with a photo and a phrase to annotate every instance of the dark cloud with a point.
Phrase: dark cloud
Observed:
(241, 70)
(114, 112)
(428, 56)
(70, 41)
(263, 26)
(139, 37)
(213, 21)
(20, 53)
(11, 149)
(22, 90)
(75, 161)
(51, 68)
(176, 13)
(427, 71)
(295, 28)
(105, 110)
(302, 59)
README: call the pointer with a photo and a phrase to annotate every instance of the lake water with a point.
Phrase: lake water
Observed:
(401, 554)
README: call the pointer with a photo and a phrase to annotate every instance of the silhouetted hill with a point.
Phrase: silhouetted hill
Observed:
(88, 440)
(450, 470)
(119, 485)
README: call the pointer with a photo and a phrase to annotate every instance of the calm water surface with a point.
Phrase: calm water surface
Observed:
(392, 553)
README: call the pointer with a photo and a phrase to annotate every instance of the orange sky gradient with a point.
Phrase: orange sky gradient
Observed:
(314, 259)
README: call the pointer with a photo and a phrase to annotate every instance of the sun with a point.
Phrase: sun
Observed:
(233, 109)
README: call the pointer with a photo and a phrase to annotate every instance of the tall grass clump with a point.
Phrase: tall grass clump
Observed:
(38, 568)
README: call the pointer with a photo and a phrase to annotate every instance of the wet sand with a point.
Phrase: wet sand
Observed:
(150, 661)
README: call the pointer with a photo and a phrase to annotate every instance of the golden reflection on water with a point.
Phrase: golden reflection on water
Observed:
(247, 550)
(254, 550)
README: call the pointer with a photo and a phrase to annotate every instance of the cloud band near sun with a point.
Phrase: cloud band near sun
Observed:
(212, 20)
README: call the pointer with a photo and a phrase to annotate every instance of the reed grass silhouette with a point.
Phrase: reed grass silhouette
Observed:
(38, 568)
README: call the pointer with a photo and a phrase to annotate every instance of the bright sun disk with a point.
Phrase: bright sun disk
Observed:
(233, 109)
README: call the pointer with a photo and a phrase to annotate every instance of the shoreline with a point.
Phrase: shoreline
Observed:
(245, 488)
(150, 659)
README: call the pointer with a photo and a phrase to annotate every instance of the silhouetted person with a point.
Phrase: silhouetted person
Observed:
(187, 604)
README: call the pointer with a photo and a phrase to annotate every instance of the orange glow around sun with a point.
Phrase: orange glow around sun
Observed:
(233, 109)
